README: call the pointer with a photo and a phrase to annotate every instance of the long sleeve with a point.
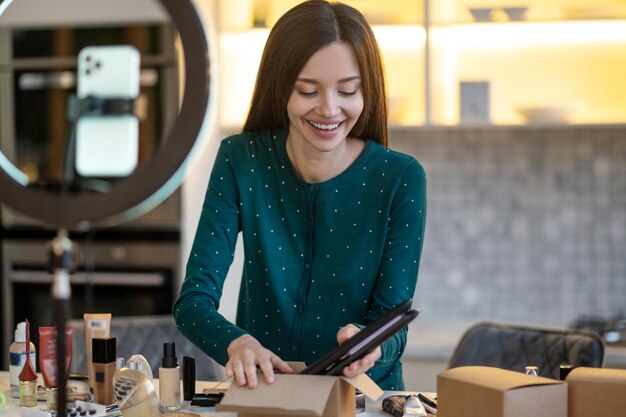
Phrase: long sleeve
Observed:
(211, 255)
(398, 273)
(399, 266)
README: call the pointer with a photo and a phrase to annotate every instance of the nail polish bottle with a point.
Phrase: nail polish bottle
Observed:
(169, 379)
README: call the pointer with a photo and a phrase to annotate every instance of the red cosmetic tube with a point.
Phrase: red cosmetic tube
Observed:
(48, 354)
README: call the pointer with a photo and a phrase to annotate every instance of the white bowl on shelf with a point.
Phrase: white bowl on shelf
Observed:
(594, 12)
(556, 113)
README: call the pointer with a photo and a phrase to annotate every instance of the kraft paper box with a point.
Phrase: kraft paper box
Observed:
(597, 392)
(481, 391)
(299, 395)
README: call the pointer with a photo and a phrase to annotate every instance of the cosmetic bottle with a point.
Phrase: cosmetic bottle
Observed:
(17, 358)
(532, 371)
(96, 325)
(104, 367)
(564, 370)
(169, 379)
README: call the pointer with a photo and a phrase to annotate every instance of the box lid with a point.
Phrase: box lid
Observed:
(503, 380)
(603, 375)
(283, 396)
(291, 394)
(361, 382)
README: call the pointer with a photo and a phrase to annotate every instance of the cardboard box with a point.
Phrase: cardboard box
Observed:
(481, 391)
(299, 395)
(597, 392)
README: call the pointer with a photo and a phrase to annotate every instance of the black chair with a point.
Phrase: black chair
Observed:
(515, 347)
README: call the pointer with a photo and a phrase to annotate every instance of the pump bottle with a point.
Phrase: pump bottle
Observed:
(17, 358)
(169, 379)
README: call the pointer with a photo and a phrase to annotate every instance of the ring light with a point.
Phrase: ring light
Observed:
(132, 196)
(152, 182)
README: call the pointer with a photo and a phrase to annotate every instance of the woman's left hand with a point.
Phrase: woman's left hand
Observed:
(363, 364)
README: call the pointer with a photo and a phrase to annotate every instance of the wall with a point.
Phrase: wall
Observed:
(197, 178)
(32, 13)
(525, 224)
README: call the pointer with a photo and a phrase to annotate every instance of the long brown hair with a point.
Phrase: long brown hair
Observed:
(296, 36)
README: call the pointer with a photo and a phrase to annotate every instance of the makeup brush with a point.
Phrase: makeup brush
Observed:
(28, 377)
(27, 374)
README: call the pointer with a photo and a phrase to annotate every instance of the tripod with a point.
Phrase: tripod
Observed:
(60, 262)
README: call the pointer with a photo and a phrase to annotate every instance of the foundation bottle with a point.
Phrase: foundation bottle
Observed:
(104, 367)
(169, 379)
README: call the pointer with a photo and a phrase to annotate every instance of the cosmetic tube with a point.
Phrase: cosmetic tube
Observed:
(169, 379)
(96, 325)
(104, 366)
(47, 361)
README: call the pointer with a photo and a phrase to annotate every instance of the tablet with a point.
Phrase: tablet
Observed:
(364, 341)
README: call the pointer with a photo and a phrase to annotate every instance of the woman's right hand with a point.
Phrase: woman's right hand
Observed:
(245, 354)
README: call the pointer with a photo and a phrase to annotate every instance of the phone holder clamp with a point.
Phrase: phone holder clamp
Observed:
(106, 106)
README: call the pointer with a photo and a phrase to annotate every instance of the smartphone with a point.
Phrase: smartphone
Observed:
(107, 145)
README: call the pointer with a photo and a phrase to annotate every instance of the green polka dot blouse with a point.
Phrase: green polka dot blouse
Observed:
(317, 256)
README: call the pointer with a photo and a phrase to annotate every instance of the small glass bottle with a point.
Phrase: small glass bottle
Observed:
(532, 371)
(28, 393)
(564, 370)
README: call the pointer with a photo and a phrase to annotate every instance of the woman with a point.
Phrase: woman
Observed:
(332, 220)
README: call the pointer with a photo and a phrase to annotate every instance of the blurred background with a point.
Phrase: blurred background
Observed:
(516, 109)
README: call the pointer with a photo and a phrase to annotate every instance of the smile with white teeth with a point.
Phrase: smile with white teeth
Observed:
(323, 126)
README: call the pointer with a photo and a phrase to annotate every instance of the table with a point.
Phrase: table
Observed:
(12, 408)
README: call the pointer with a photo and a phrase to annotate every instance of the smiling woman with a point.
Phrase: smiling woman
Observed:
(324, 106)
(332, 220)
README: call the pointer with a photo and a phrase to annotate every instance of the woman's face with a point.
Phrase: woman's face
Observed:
(327, 99)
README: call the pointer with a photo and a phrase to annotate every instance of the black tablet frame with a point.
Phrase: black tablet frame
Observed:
(364, 341)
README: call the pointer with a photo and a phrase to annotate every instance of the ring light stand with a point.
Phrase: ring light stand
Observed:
(131, 197)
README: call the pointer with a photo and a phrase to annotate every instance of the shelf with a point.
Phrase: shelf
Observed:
(446, 12)
(574, 67)
(411, 128)
(545, 61)
(465, 22)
